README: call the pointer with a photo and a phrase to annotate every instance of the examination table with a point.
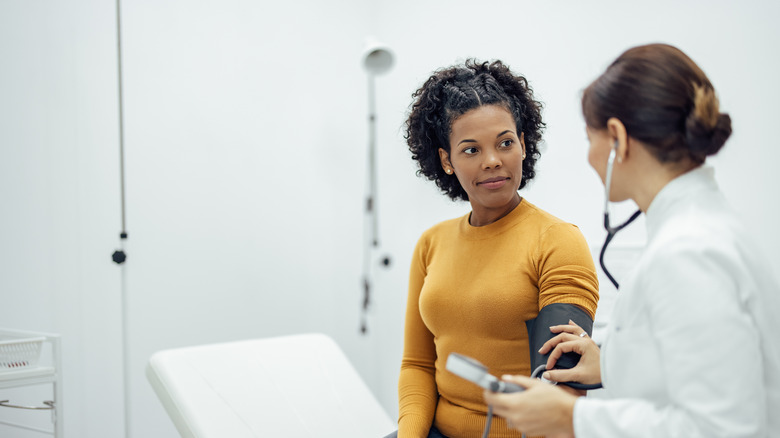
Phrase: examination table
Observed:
(284, 387)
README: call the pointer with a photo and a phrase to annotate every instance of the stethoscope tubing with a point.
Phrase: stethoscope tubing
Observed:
(611, 231)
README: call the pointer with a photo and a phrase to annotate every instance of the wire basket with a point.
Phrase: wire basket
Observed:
(19, 353)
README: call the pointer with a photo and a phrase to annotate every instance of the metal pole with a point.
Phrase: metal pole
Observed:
(119, 256)
(125, 353)
(121, 118)
(370, 235)
(372, 186)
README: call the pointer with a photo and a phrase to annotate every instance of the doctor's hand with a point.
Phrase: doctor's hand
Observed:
(542, 409)
(572, 338)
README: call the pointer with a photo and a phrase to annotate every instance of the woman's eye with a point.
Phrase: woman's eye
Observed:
(506, 143)
(470, 151)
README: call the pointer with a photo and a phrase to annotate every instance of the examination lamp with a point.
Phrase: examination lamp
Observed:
(377, 58)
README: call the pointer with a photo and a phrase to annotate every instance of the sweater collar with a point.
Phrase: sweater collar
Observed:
(511, 219)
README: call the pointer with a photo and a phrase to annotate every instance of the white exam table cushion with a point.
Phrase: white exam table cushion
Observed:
(286, 387)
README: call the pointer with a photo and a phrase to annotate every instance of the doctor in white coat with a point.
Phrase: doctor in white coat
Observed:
(692, 349)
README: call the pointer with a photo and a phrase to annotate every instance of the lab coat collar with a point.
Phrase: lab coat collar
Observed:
(677, 193)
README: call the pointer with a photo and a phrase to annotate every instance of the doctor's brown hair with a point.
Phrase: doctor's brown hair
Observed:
(663, 99)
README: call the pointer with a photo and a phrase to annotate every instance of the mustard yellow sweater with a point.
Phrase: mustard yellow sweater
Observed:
(471, 289)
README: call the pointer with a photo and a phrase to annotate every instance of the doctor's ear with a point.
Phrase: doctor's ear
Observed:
(617, 130)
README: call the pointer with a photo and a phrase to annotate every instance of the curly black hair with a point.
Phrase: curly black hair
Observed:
(451, 92)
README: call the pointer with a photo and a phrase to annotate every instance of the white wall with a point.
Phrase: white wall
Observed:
(59, 196)
(245, 135)
(245, 174)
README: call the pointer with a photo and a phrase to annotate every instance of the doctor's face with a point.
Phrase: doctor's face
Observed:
(601, 144)
(598, 154)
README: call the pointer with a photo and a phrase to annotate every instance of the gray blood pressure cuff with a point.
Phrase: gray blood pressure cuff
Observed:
(539, 332)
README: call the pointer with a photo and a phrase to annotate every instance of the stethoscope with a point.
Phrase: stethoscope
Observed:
(611, 231)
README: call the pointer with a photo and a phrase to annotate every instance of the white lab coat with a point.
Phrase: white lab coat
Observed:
(692, 349)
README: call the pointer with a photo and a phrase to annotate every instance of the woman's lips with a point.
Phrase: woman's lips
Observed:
(493, 183)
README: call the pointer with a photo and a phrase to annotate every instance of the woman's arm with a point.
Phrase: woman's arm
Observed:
(417, 392)
(566, 272)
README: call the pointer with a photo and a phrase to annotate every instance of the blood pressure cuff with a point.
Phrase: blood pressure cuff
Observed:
(539, 332)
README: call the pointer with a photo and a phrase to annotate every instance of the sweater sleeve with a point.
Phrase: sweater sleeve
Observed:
(565, 268)
(417, 392)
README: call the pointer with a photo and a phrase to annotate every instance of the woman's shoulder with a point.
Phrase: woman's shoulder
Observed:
(543, 219)
(446, 226)
(542, 213)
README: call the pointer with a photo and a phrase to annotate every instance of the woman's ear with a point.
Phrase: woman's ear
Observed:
(618, 137)
(522, 142)
(444, 157)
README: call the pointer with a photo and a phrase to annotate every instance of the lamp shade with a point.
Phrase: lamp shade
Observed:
(377, 58)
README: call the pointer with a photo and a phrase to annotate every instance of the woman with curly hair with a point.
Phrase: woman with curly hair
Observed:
(474, 130)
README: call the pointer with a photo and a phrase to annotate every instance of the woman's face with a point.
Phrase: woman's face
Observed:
(486, 155)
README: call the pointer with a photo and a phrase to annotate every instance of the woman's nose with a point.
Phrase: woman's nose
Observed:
(491, 160)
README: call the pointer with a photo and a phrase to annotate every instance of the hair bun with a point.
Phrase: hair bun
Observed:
(706, 129)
